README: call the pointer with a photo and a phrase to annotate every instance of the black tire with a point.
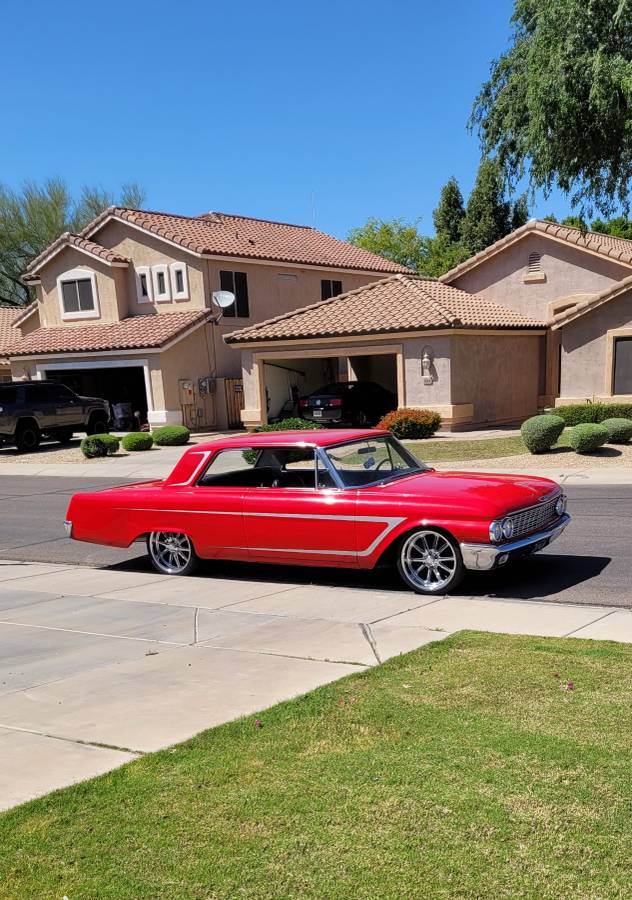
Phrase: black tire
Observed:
(98, 424)
(27, 437)
(181, 559)
(429, 561)
(64, 436)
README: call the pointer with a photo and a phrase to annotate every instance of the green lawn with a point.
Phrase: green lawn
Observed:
(436, 449)
(465, 769)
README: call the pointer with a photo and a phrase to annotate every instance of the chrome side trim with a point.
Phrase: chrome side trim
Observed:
(389, 522)
(484, 556)
(68, 527)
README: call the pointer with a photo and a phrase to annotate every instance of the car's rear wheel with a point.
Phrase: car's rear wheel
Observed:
(27, 437)
(429, 561)
(171, 553)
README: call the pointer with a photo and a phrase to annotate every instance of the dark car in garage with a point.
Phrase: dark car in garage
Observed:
(348, 403)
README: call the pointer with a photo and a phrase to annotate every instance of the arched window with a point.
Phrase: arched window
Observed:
(533, 265)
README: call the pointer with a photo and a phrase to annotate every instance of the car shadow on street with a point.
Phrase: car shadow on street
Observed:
(537, 577)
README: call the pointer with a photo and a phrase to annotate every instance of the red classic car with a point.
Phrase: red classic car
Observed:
(352, 498)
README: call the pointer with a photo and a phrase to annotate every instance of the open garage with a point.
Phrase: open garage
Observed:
(123, 387)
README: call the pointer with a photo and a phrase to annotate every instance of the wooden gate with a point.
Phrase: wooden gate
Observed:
(234, 388)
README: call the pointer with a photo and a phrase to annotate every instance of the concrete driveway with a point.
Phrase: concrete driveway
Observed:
(98, 666)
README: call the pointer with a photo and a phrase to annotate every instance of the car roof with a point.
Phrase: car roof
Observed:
(324, 437)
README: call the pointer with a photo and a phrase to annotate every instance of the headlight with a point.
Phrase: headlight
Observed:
(495, 531)
(508, 528)
(560, 506)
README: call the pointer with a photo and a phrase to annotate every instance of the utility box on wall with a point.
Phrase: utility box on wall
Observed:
(187, 395)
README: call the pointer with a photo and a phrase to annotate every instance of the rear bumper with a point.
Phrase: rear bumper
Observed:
(327, 417)
(489, 556)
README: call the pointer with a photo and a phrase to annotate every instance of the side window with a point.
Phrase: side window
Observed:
(237, 284)
(8, 396)
(230, 468)
(329, 288)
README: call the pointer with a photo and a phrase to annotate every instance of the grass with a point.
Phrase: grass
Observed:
(468, 768)
(437, 449)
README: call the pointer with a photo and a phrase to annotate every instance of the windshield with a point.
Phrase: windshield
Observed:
(370, 460)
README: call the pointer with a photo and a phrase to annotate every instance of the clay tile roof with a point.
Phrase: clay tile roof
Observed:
(81, 243)
(604, 244)
(586, 302)
(133, 333)
(223, 234)
(395, 304)
(8, 334)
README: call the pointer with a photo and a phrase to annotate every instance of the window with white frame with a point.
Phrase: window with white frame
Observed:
(144, 284)
(161, 283)
(179, 281)
(77, 292)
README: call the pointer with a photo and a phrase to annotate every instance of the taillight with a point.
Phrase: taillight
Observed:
(303, 403)
(336, 401)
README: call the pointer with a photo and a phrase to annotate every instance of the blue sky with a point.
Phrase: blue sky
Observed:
(328, 112)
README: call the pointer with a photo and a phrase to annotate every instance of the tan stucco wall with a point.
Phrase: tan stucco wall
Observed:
(567, 269)
(584, 372)
(498, 374)
(111, 288)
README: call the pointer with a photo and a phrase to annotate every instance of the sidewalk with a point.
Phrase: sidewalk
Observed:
(99, 666)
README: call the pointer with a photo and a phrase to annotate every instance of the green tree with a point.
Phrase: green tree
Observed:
(519, 212)
(449, 214)
(558, 102)
(620, 226)
(575, 222)
(34, 216)
(396, 240)
(442, 255)
(488, 212)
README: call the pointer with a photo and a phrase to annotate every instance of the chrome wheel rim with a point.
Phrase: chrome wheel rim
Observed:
(170, 550)
(429, 560)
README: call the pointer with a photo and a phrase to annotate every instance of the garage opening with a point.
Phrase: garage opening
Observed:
(123, 388)
(378, 367)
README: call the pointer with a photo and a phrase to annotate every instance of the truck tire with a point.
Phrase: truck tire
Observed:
(98, 424)
(27, 437)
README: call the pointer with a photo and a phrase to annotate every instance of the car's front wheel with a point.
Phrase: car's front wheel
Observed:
(27, 437)
(429, 561)
(171, 553)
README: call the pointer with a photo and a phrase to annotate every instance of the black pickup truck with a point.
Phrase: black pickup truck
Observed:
(32, 410)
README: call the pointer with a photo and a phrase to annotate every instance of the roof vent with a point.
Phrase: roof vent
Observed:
(534, 263)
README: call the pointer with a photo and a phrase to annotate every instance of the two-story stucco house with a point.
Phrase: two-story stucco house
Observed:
(124, 310)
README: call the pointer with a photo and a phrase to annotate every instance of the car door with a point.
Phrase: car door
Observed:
(38, 402)
(309, 525)
(67, 408)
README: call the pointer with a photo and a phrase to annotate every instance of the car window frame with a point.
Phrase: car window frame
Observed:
(319, 455)
(361, 487)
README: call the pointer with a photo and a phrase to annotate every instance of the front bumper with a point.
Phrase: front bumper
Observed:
(488, 556)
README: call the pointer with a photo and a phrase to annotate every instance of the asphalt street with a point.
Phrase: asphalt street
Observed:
(590, 564)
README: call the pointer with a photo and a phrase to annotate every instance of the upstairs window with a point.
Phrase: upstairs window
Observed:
(161, 283)
(237, 284)
(144, 284)
(534, 263)
(77, 294)
(179, 281)
(329, 288)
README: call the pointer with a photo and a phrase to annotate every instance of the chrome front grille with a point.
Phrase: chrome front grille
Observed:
(534, 518)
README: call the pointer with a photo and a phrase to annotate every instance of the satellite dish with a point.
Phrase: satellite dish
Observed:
(223, 299)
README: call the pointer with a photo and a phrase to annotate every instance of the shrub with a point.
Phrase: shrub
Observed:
(579, 413)
(411, 423)
(539, 433)
(171, 436)
(137, 440)
(588, 436)
(288, 425)
(619, 430)
(110, 441)
(94, 446)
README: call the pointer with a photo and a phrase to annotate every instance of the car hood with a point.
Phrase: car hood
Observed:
(92, 400)
(480, 493)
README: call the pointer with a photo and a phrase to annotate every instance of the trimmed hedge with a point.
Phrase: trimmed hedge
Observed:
(588, 436)
(94, 446)
(411, 423)
(539, 433)
(137, 440)
(171, 436)
(111, 442)
(289, 425)
(619, 430)
(579, 413)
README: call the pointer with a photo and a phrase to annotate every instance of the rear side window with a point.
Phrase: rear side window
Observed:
(8, 396)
